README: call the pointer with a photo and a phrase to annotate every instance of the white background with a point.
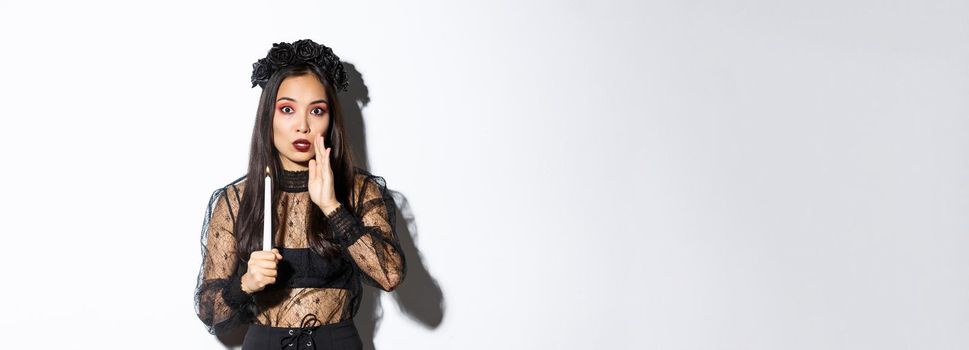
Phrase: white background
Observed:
(578, 174)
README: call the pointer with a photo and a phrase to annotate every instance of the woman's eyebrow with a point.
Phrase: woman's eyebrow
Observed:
(314, 102)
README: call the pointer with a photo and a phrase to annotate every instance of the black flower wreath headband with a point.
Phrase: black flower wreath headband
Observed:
(300, 52)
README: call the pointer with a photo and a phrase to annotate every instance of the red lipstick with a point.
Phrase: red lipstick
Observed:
(302, 145)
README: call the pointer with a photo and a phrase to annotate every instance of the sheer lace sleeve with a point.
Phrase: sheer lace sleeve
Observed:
(368, 235)
(219, 300)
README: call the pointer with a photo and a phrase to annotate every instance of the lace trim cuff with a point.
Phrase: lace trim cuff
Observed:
(345, 227)
(234, 296)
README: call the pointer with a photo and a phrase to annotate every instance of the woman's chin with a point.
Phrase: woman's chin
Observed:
(302, 162)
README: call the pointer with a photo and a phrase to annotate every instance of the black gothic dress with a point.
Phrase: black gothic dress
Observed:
(315, 296)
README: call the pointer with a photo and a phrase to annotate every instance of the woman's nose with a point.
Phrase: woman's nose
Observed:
(304, 125)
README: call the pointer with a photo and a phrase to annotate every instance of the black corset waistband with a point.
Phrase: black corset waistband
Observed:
(304, 268)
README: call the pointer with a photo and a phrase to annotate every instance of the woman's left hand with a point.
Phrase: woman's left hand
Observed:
(320, 185)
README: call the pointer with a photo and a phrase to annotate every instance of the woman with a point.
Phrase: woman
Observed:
(333, 222)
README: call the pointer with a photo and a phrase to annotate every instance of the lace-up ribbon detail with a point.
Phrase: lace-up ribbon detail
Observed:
(295, 338)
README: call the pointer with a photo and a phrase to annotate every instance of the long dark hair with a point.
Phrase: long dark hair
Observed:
(263, 153)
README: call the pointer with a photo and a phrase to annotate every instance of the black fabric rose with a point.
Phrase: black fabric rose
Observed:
(281, 55)
(303, 51)
(307, 50)
(260, 72)
(340, 77)
(329, 57)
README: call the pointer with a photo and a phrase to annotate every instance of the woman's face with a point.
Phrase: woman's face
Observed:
(302, 113)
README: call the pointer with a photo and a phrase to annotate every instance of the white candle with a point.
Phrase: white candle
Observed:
(267, 229)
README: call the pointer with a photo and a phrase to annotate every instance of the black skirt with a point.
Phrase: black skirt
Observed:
(336, 336)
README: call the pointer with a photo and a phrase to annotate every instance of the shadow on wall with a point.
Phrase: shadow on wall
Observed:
(418, 296)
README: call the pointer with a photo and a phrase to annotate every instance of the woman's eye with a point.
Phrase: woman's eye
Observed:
(318, 111)
(286, 109)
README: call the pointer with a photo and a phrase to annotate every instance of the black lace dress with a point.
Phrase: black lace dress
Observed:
(309, 285)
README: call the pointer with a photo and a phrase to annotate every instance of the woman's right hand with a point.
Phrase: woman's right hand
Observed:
(262, 270)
